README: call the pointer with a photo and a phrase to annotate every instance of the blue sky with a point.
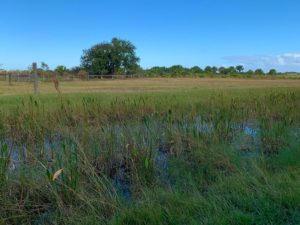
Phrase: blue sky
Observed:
(255, 33)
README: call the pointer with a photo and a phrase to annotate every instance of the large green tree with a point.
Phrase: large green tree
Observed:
(118, 56)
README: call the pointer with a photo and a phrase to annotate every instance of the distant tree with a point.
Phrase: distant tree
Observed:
(118, 56)
(177, 70)
(61, 69)
(76, 69)
(214, 69)
(211, 69)
(222, 70)
(232, 70)
(239, 68)
(272, 72)
(196, 70)
(225, 71)
(250, 72)
(208, 69)
(156, 71)
(82, 74)
(43, 70)
(259, 72)
(44, 66)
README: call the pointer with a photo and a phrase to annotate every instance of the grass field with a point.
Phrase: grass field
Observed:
(144, 85)
(151, 151)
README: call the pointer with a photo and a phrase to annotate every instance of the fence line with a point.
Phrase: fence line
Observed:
(22, 77)
(16, 77)
(110, 76)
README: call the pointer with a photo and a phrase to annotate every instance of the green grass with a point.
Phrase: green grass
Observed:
(142, 85)
(176, 157)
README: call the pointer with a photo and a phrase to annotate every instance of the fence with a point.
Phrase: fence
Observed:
(110, 76)
(27, 77)
(33, 76)
(16, 77)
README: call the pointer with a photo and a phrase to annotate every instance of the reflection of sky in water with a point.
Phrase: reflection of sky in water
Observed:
(120, 180)
(17, 153)
(251, 131)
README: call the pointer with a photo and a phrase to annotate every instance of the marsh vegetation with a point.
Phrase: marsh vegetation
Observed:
(227, 156)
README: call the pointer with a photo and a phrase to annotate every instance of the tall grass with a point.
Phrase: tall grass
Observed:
(152, 158)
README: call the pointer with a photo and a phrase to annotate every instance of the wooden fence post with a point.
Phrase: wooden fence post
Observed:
(35, 87)
(9, 78)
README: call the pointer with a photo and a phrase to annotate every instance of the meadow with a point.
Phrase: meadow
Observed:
(146, 85)
(151, 151)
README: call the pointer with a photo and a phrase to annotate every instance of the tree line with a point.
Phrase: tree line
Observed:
(156, 71)
(118, 57)
(178, 70)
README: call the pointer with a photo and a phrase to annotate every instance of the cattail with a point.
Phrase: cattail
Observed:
(56, 83)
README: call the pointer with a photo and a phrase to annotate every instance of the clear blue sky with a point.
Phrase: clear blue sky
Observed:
(255, 33)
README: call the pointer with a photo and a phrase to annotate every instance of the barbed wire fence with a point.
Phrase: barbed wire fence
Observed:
(35, 76)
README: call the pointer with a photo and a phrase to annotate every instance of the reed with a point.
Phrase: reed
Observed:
(194, 157)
